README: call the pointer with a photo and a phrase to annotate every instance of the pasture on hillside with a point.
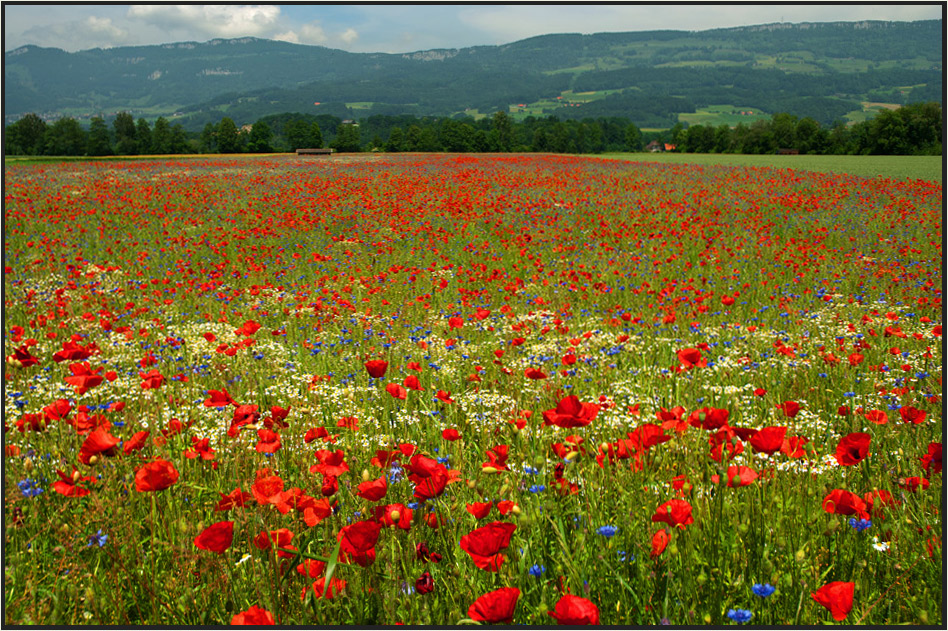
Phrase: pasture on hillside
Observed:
(439, 389)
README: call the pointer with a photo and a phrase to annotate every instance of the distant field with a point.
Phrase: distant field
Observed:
(911, 167)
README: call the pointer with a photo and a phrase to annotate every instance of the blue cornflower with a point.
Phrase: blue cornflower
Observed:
(763, 590)
(99, 539)
(859, 524)
(530, 470)
(537, 488)
(607, 531)
(537, 570)
(28, 488)
(740, 616)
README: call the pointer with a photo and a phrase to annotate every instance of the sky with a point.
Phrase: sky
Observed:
(400, 28)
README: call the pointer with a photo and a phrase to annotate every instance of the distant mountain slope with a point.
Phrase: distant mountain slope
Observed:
(833, 65)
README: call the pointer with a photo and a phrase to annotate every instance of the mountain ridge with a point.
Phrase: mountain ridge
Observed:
(249, 77)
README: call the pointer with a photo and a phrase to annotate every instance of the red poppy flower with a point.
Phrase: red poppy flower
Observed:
(151, 380)
(659, 542)
(837, 597)
(455, 322)
(396, 391)
(329, 486)
(570, 412)
(269, 441)
(424, 584)
(156, 475)
(534, 373)
(450, 434)
(914, 483)
(876, 500)
(793, 446)
(330, 462)
(98, 442)
(216, 537)
(68, 485)
(312, 568)
(376, 368)
(931, 461)
(200, 448)
(267, 487)
(912, 415)
(575, 610)
(392, 515)
(484, 544)
(336, 585)
(57, 410)
(841, 502)
(373, 490)
(877, 416)
(83, 378)
(233, 499)
(691, 358)
(646, 436)
(255, 616)
(674, 513)
(411, 382)
(740, 476)
(789, 408)
(497, 457)
(853, 448)
(280, 538)
(479, 509)
(444, 396)
(358, 541)
(22, 358)
(768, 440)
(496, 607)
(136, 442)
(248, 328)
(219, 398)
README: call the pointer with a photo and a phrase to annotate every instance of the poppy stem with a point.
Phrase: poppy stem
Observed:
(154, 559)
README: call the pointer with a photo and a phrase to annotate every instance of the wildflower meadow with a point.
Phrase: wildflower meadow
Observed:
(441, 390)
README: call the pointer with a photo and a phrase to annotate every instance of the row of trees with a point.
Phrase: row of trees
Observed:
(31, 135)
(913, 129)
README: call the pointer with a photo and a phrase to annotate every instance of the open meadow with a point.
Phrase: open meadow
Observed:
(443, 389)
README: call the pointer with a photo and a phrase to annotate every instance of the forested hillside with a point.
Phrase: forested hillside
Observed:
(824, 71)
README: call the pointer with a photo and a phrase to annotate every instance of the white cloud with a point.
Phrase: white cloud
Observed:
(213, 20)
(349, 35)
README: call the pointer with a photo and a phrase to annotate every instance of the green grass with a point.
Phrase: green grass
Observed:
(929, 168)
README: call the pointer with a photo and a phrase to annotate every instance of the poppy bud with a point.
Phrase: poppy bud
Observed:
(515, 510)
(673, 549)
(93, 460)
(471, 484)
(707, 618)
(75, 476)
(489, 470)
(800, 556)
(28, 464)
(365, 475)
(702, 578)
(572, 455)
(395, 516)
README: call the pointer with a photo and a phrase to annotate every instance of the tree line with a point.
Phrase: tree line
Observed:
(914, 129)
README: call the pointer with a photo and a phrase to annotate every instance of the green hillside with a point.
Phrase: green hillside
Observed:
(825, 71)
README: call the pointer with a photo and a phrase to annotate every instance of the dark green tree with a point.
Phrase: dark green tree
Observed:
(161, 137)
(315, 136)
(502, 134)
(125, 141)
(260, 137)
(347, 139)
(298, 134)
(208, 142)
(396, 140)
(143, 136)
(633, 138)
(65, 137)
(179, 140)
(27, 136)
(99, 143)
(228, 140)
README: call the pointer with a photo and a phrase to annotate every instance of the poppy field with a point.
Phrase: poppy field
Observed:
(441, 389)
